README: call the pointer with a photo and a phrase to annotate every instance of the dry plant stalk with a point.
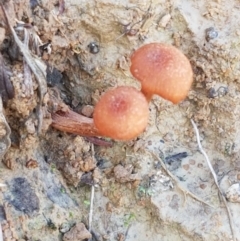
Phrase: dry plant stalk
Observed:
(72, 122)
(91, 208)
(1, 233)
(5, 140)
(6, 86)
(27, 72)
(215, 180)
(184, 190)
(92, 199)
(36, 66)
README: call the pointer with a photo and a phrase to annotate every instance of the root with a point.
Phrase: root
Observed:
(184, 190)
(216, 181)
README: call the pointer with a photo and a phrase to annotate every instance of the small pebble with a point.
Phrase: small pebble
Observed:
(93, 48)
(211, 33)
(164, 20)
(203, 186)
(22, 196)
(31, 164)
(186, 167)
(78, 232)
(233, 193)
(65, 227)
(87, 110)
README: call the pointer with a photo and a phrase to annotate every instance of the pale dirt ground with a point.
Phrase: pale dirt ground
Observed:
(146, 204)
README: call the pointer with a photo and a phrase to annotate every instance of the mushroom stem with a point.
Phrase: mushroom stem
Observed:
(72, 122)
(121, 113)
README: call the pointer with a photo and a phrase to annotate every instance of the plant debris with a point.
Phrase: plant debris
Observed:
(36, 66)
(6, 87)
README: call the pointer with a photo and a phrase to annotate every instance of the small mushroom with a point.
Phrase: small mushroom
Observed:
(163, 70)
(121, 113)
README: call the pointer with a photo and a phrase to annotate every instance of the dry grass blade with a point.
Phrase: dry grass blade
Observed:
(91, 209)
(61, 6)
(5, 140)
(184, 190)
(1, 233)
(36, 66)
(27, 72)
(6, 87)
(92, 199)
(215, 180)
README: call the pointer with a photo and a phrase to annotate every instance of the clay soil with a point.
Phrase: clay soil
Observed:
(155, 187)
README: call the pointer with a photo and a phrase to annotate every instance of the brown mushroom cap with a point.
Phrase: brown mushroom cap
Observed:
(163, 70)
(121, 113)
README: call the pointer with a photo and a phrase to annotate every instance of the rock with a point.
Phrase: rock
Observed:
(22, 196)
(233, 193)
(53, 187)
(88, 164)
(87, 110)
(56, 192)
(124, 174)
(77, 233)
(54, 77)
(87, 178)
(2, 214)
(65, 227)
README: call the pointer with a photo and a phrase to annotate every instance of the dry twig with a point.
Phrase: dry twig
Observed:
(5, 140)
(215, 180)
(91, 208)
(184, 190)
(1, 233)
(6, 86)
(92, 199)
(128, 28)
(27, 72)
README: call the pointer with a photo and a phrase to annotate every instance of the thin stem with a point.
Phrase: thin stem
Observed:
(91, 208)
(92, 199)
(72, 122)
(216, 181)
(1, 233)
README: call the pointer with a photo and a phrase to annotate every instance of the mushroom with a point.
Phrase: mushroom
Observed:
(163, 70)
(121, 113)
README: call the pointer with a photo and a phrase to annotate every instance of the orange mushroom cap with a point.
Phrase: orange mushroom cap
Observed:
(163, 70)
(121, 113)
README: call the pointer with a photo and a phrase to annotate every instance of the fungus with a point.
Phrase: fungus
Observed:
(163, 70)
(121, 113)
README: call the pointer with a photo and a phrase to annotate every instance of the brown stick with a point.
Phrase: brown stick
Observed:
(72, 122)
(99, 142)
